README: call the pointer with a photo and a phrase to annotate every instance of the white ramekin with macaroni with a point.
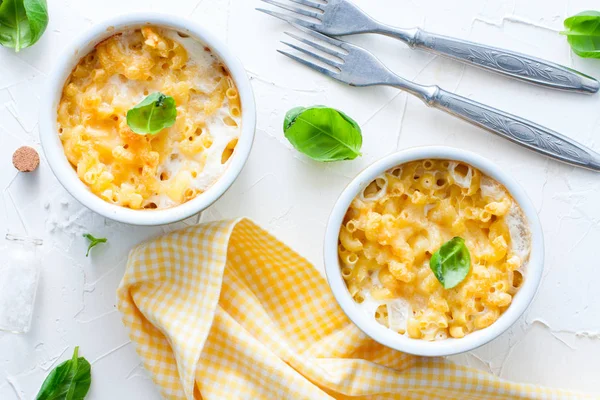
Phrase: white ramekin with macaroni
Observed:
(152, 176)
(388, 229)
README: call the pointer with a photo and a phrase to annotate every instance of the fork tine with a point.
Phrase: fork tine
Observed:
(309, 3)
(328, 61)
(297, 10)
(313, 32)
(309, 64)
(327, 50)
(291, 20)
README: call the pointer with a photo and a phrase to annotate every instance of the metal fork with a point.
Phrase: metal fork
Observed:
(357, 67)
(340, 17)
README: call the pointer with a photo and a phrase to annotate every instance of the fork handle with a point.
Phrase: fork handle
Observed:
(518, 130)
(506, 62)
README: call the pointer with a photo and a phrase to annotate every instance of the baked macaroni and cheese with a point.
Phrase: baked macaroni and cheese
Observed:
(149, 171)
(402, 218)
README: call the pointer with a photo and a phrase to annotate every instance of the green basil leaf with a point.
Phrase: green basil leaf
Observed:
(291, 116)
(583, 33)
(155, 113)
(70, 380)
(451, 263)
(22, 22)
(93, 242)
(323, 133)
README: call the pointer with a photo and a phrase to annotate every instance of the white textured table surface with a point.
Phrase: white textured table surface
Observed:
(557, 341)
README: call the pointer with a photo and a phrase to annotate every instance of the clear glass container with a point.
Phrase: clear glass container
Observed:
(20, 267)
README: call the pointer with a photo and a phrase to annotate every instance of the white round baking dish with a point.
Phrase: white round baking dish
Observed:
(65, 172)
(387, 337)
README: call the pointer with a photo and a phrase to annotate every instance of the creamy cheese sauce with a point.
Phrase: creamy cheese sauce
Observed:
(149, 171)
(403, 217)
(212, 168)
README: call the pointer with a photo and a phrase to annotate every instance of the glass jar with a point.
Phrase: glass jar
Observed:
(19, 274)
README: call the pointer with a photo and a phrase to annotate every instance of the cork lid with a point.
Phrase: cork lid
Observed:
(26, 159)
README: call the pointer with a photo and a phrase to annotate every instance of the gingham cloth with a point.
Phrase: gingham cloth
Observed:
(226, 311)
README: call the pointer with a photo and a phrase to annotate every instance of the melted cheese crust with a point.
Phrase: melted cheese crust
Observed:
(149, 171)
(403, 217)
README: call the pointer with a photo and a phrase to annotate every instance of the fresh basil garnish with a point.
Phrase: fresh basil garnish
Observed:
(70, 380)
(155, 113)
(323, 133)
(93, 242)
(22, 22)
(451, 263)
(583, 33)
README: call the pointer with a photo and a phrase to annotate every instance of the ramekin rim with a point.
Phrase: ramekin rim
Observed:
(53, 149)
(450, 346)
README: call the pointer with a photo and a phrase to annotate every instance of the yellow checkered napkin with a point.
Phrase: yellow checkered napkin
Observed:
(226, 311)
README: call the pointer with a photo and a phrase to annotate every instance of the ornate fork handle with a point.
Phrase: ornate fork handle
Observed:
(358, 67)
(518, 130)
(506, 62)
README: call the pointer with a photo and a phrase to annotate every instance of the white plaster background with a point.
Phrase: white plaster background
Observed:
(556, 343)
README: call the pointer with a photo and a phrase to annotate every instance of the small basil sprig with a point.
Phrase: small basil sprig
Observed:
(451, 263)
(22, 22)
(70, 380)
(93, 242)
(155, 113)
(323, 133)
(583, 33)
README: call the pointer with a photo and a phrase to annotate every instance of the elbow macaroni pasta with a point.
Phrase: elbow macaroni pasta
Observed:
(401, 218)
(149, 171)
